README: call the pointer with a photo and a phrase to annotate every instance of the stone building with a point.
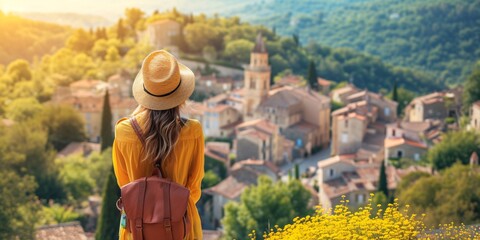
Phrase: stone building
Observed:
(163, 34)
(438, 105)
(475, 116)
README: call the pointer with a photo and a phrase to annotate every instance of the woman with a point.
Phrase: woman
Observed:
(160, 88)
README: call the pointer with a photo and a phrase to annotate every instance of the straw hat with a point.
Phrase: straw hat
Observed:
(162, 82)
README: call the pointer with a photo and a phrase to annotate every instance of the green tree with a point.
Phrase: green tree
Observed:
(238, 50)
(263, 206)
(133, 16)
(455, 146)
(64, 125)
(109, 220)
(312, 75)
(296, 169)
(210, 179)
(19, 70)
(200, 35)
(18, 206)
(472, 89)
(22, 109)
(106, 133)
(451, 196)
(80, 41)
(382, 180)
(121, 30)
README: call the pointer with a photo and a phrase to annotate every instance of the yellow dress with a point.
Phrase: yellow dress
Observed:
(186, 170)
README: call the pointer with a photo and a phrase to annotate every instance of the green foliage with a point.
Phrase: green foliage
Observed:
(408, 180)
(80, 41)
(455, 146)
(404, 97)
(312, 75)
(22, 109)
(133, 17)
(55, 214)
(336, 105)
(382, 180)
(200, 35)
(18, 207)
(434, 36)
(216, 167)
(74, 173)
(25, 39)
(451, 196)
(471, 92)
(210, 179)
(19, 70)
(109, 220)
(238, 50)
(106, 131)
(121, 30)
(64, 125)
(379, 201)
(265, 205)
(296, 168)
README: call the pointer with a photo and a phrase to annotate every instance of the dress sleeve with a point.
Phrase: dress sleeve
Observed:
(119, 164)
(196, 170)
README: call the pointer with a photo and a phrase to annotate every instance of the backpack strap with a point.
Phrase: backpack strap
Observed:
(138, 232)
(138, 131)
(167, 222)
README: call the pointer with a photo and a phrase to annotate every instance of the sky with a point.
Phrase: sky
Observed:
(112, 9)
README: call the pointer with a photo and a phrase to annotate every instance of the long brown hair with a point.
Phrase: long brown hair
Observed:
(162, 129)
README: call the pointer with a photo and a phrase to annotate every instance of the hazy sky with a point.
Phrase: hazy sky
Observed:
(108, 8)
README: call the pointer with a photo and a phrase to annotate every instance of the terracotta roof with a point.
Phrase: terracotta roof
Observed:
(63, 231)
(192, 107)
(291, 79)
(256, 134)
(7, 122)
(259, 45)
(251, 162)
(324, 82)
(352, 115)
(281, 99)
(303, 127)
(217, 98)
(218, 150)
(393, 142)
(83, 148)
(232, 125)
(217, 108)
(346, 158)
(260, 124)
(233, 186)
(86, 83)
(346, 89)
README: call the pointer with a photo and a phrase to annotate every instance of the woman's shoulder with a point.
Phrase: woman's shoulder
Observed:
(192, 128)
(124, 131)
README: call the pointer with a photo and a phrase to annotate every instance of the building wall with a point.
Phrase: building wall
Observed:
(349, 133)
(257, 82)
(407, 152)
(247, 149)
(475, 117)
(394, 131)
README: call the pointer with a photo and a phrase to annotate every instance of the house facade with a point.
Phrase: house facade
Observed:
(475, 116)
(438, 105)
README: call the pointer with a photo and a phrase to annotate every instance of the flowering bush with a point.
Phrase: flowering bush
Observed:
(366, 223)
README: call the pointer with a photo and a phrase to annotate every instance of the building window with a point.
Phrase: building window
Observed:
(332, 172)
(393, 132)
(416, 156)
(399, 154)
(252, 84)
(387, 111)
(360, 198)
(344, 137)
(346, 123)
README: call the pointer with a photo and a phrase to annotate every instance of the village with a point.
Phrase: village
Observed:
(287, 129)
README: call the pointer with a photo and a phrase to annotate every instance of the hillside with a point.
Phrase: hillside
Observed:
(23, 38)
(440, 37)
(69, 19)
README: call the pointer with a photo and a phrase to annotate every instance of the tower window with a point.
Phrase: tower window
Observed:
(252, 84)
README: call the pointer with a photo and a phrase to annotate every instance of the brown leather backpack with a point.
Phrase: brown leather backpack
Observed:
(155, 207)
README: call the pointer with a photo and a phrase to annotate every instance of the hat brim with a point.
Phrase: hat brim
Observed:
(179, 96)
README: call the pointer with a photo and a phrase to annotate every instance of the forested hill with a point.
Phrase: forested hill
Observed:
(23, 38)
(440, 36)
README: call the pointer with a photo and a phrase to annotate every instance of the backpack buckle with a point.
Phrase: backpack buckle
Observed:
(167, 223)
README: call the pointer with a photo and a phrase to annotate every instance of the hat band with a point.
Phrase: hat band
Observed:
(163, 95)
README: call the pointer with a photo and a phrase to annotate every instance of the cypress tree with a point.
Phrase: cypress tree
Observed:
(106, 133)
(395, 95)
(121, 30)
(297, 171)
(312, 76)
(109, 220)
(382, 181)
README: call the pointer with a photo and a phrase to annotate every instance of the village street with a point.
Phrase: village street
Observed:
(305, 163)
